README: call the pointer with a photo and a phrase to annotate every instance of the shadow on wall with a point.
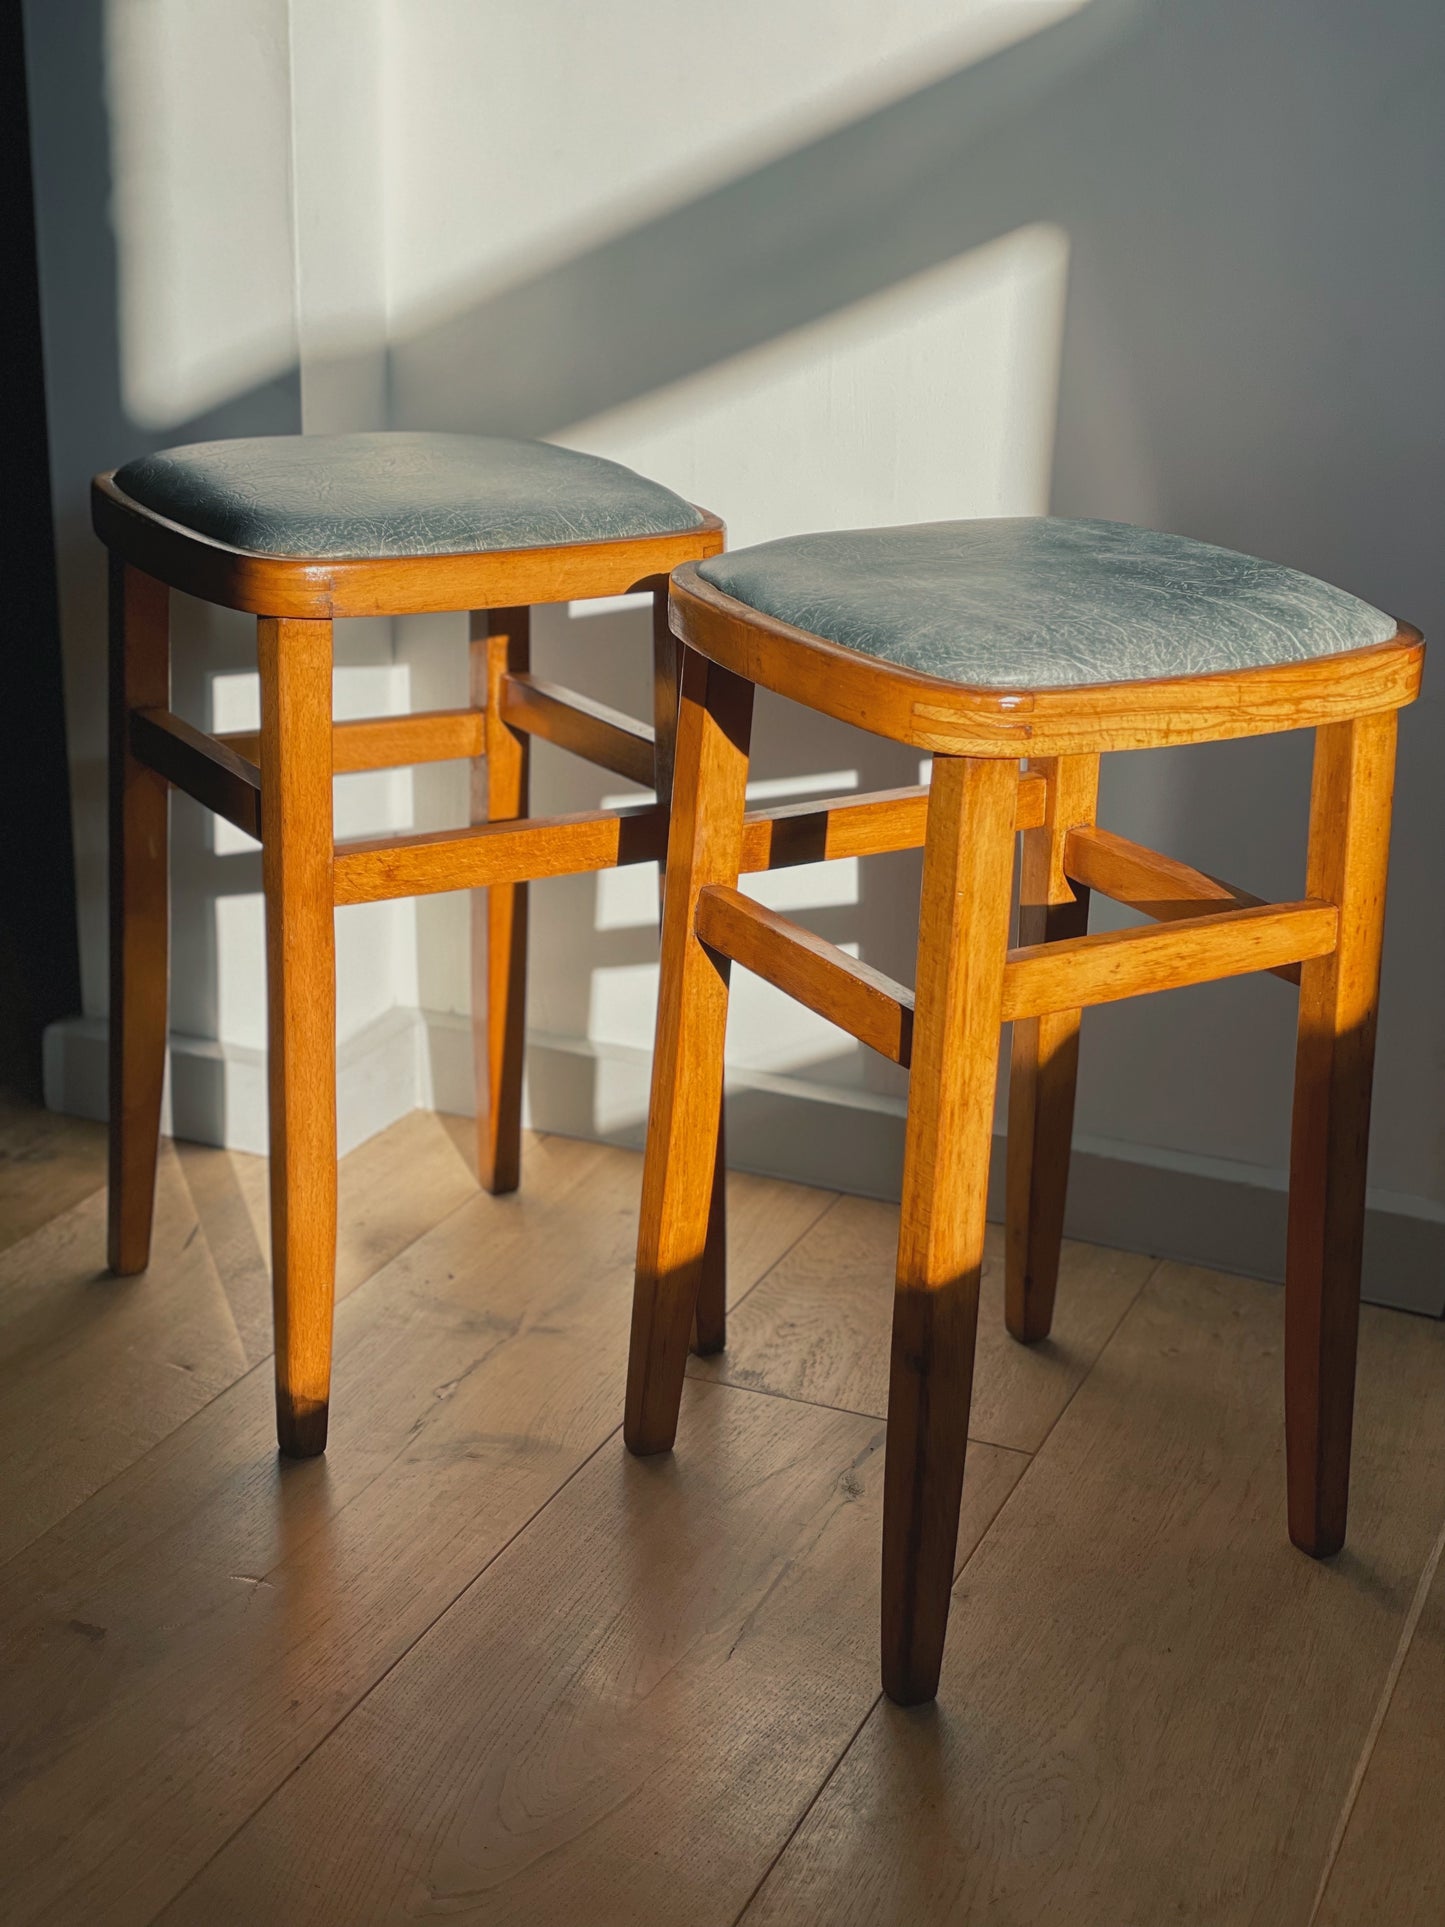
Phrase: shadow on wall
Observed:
(91, 429)
(1250, 355)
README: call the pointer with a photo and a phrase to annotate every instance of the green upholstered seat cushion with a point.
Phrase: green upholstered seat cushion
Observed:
(398, 493)
(1036, 603)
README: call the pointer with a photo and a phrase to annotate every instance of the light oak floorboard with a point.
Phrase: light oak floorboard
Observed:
(1151, 1706)
(47, 1164)
(95, 1369)
(176, 1646)
(390, 1190)
(817, 1328)
(1391, 1864)
(623, 1718)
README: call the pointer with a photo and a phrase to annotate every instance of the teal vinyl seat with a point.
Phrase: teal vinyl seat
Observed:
(398, 493)
(1041, 603)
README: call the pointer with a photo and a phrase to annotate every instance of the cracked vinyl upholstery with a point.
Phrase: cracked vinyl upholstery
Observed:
(393, 493)
(1038, 603)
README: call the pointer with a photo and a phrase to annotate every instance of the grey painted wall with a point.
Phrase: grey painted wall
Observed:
(1191, 258)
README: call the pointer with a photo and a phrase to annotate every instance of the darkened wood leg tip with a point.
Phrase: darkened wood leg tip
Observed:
(1023, 1334)
(301, 1437)
(1317, 1544)
(708, 1347)
(907, 1692)
(645, 1445)
(499, 1184)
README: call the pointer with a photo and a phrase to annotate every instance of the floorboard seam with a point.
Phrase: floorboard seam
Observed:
(9, 1244)
(846, 1411)
(222, 1392)
(387, 1670)
(877, 1700)
(879, 1418)
(818, 1793)
(834, 1198)
(1387, 1694)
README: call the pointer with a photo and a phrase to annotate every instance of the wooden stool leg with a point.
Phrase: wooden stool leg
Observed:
(1045, 1057)
(705, 846)
(296, 833)
(710, 1321)
(710, 1325)
(1348, 858)
(962, 947)
(139, 935)
(501, 644)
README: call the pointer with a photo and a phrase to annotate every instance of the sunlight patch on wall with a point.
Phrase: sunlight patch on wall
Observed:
(607, 141)
(198, 96)
(933, 400)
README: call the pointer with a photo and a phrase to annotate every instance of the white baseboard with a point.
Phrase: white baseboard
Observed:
(1205, 1211)
(216, 1093)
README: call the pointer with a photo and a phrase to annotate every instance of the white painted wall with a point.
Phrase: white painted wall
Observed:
(822, 264)
(209, 189)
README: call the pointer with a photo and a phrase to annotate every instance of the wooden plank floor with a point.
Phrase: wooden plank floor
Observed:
(480, 1665)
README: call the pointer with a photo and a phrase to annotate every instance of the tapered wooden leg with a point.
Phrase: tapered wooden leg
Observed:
(962, 947)
(1045, 1057)
(501, 643)
(139, 934)
(710, 1321)
(296, 832)
(1348, 858)
(704, 847)
(710, 1326)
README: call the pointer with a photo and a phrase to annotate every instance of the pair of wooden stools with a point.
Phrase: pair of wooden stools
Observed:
(1014, 652)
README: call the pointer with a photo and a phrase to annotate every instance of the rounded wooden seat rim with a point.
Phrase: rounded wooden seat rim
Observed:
(321, 588)
(957, 719)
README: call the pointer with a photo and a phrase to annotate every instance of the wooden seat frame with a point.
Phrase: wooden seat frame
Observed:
(275, 783)
(969, 981)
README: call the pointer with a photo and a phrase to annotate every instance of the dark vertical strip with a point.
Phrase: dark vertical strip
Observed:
(39, 954)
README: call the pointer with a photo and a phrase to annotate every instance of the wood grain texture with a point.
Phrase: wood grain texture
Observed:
(201, 765)
(95, 1369)
(1160, 886)
(47, 1164)
(592, 730)
(500, 647)
(859, 999)
(1044, 1055)
(1152, 1706)
(710, 1316)
(127, 1363)
(638, 1751)
(481, 1368)
(956, 720)
(1114, 964)
(811, 831)
(371, 869)
(390, 1190)
(1156, 1710)
(387, 742)
(968, 861)
(329, 588)
(140, 672)
(1349, 854)
(704, 846)
(295, 661)
(816, 1328)
(1391, 1862)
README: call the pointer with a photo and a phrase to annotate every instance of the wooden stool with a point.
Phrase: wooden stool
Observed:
(985, 643)
(301, 530)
